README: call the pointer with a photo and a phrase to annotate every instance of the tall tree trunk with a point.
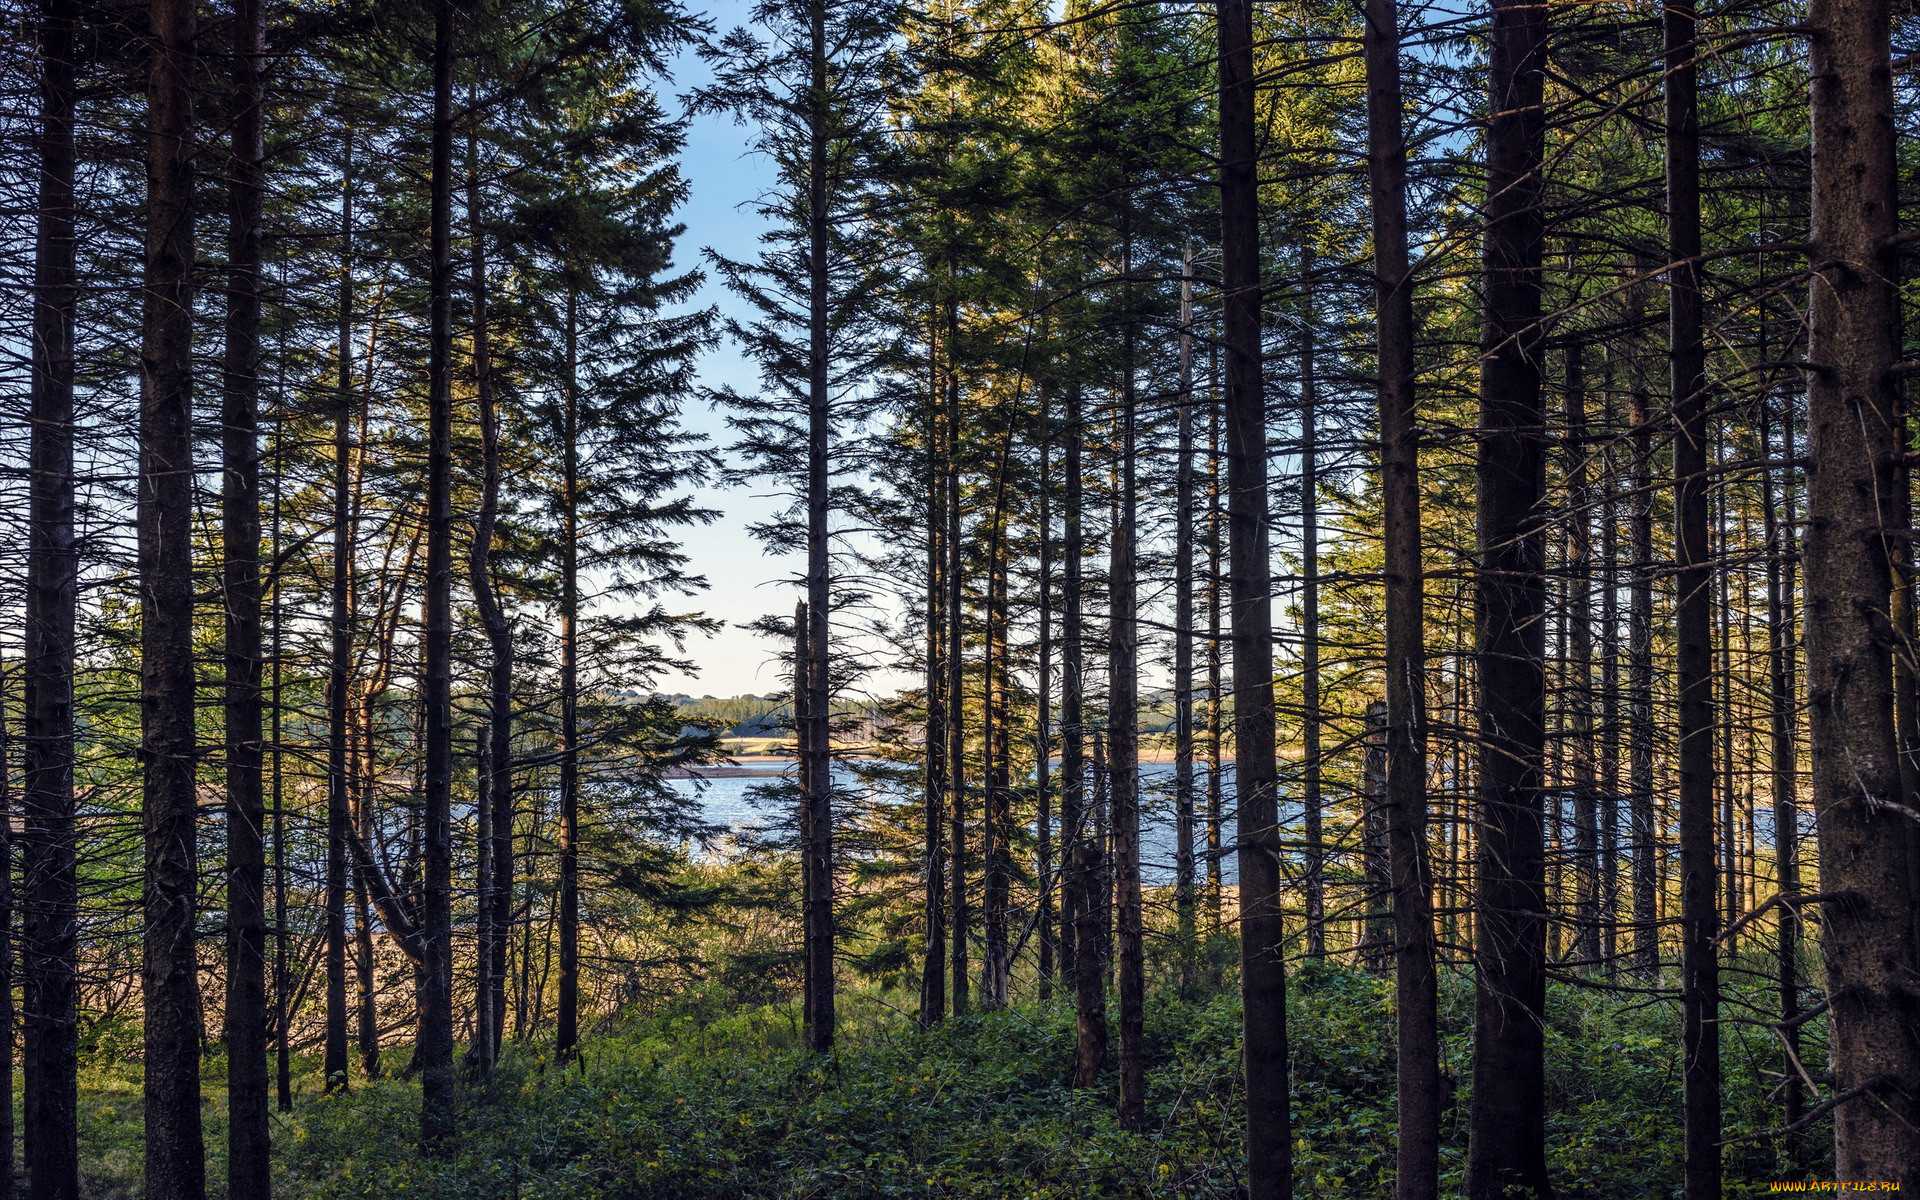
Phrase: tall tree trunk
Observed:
(1100, 883)
(1646, 931)
(933, 976)
(6, 946)
(248, 1169)
(1374, 941)
(1183, 862)
(481, 1052)
(1586, 805)
(175, 1156)
(1506, 1154)
(1090, 969)
(996, 825)
(496, 882)
(1417, 1059)
(341, 647)
(567, 1018)
(1722, 580)
(1216, 705)
(803, 816)
(1693, 579)
(1079, 962)
(819, 418)
(283, 1033)
(956, 662)
(363, 768)
(1043, 706)
(1263, 985)
(1867, 939)
(1123, 725)
(437, 1109)
(1310, 797)
(1609, 687)
(49, 884)
(1785, 766)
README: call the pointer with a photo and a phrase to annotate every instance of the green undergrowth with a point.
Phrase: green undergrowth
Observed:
(715, 1102)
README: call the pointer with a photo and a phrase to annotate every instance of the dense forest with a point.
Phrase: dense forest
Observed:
(1342, 581)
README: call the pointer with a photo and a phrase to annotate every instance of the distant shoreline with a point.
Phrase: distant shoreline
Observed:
(754, 764)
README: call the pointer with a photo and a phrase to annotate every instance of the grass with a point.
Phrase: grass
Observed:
(715, 1101)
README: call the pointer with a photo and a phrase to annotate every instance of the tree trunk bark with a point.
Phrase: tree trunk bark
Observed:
(175, 1154)
(6, 949)
(248, 1168)
(1090, 977)
(341, 629)
(567, 1017)
(1646, 931)
(933, 977)
(1417, 1059)
(1693, 637)
(1269, 1137)
(1043, 706)
(1310, 623)
(49, 884)
(1216, 706)
(803, 815)
(496, 882)
(1785, 766)
(1183, 852)
(1609, 797)
(1123, 726)
(1375, 940)
(283, 1033)
(996, 819)
(956, 664)
(1586, 805)
(819, 418)
(1506, 1154)
(1867, 939)
(1722, 657)
(1076, 901)
(437, 1100)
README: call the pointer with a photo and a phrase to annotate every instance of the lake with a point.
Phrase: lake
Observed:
(735, 801)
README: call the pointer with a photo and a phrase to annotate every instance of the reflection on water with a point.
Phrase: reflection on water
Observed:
(738, 801)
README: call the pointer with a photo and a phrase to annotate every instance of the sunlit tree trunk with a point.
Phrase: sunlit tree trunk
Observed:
(1867, 938)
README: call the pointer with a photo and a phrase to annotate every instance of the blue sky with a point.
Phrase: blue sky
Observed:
(724, 178)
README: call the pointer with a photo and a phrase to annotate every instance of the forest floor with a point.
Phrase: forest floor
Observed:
(712, 1100)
